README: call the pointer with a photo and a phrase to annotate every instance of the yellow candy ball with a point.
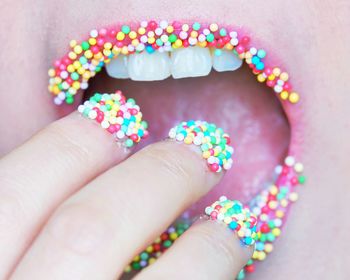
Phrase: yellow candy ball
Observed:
(72, 55)
(185, 27)
(279, 214)
(213, 27)
(132, 35)
(276, 232)
(149, 249)
(261, 256)
(56, 90)
(78, 49)
(276, 71)
(178, 43)
(206, 154)
(52, 72)
(108, 45)
(125, 50)
(135, 42)
(120, 36)
(194, 34)
(268, 248)
(273, 190)
(72, 43)
(293, 197)
(88, 54)
(81, 71)
(188, 140)
(76, 64)
(70, 68)
(173, 236)
(284, 203)
(98, 56)
(294, 97)
(107, 52)
(151, 40)
(87, 75)
(141, 30)
(284, 95)
(271, 77)
(92, 41)
(229, 47)
(170, 29)
(202, 44)
(255, 255)
(261, 78)
(284, 76)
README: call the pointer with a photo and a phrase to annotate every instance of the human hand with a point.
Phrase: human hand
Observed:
(75, 207)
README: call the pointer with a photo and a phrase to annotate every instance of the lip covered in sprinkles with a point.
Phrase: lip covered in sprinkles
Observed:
(119, 116)
(85, 59)
(213, 142)
(237, 217)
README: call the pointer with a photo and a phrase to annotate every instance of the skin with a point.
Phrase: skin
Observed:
(314, 34)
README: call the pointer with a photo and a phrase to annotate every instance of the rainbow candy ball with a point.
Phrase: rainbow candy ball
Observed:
(119, 116)
(212, 141)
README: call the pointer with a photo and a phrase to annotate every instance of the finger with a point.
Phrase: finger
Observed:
(39, 175)
(208, 250)
(102, 227)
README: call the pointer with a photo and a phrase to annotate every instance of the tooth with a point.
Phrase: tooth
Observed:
(225, 61)
(190, 62)
(118, 67)
(149, 67)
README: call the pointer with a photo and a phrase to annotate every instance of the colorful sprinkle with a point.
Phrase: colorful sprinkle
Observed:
(237, 217)
(120, 117)
(159, 246)
(86, 58)
(213, 142)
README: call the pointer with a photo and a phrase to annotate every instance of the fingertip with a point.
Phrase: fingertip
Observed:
(226, 243)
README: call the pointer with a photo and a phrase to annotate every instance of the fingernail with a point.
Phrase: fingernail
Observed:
(119, 116)
(212, 140)
(237, 217)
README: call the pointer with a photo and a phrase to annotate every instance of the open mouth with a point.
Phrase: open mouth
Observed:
(182, 71)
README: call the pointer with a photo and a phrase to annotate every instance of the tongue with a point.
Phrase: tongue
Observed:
(234, 101)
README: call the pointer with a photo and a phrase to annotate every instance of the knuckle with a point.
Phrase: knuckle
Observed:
(219, 244)
(12, 213)
(79, 228)
(174, 164)
(59, 134)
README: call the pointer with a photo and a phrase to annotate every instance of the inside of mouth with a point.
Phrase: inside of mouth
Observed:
(247, 110)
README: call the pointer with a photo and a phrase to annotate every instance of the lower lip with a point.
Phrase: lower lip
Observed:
(72, 73)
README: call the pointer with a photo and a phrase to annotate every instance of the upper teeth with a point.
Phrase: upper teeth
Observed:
(118, 67)
(147, 67)
(180, 63)
(226, 61)
(190, 62)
